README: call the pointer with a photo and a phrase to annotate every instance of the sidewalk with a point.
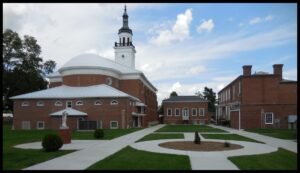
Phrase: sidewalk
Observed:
(271, 141)
(82, 159)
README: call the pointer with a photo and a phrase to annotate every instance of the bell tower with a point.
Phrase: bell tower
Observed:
(124, 49)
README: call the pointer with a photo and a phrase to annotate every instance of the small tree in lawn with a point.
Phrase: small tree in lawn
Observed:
(197, 138)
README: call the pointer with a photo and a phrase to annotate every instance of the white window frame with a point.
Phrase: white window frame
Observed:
(25, 104)
(266, 117)
(58, 103)
(169, 115)
(78, 103)
(116, 102)
(26, 122)
(40, 103)
(37, 125)
(97, 104)
(113, 127)
(203, 110)
(193, 112)
(69, 102)
(176, 112)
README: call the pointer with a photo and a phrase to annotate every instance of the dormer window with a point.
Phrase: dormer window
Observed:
(25, 103)
(58, 103)
(40, 103)
(97, 102)
(79, 103)
(114, 102)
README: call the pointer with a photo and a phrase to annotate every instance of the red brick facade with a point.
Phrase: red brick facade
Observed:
(256, 95)
(193, 119)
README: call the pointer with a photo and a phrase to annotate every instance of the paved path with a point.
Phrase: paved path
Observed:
(84, 158)
(275, 142)
(212, 160)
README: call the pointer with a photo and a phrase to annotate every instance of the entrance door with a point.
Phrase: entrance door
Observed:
(185, 114)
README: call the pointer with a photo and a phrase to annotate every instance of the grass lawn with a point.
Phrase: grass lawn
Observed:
(229, 137)
(132, 159)
(279, 160)
(108, 133)
(156, 136)
(277, 133)
(15, 158)
(188, 128)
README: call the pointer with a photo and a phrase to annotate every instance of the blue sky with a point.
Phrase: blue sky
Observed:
(181, 47)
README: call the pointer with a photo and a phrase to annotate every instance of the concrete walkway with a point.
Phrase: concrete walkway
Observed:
(84, 158)
(275, 142)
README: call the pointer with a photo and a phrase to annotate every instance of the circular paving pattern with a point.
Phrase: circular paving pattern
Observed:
(204, 146)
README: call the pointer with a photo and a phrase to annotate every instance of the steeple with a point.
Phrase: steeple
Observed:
(125, 27)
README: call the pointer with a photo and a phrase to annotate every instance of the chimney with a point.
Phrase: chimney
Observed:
(247, 70)
(277, 69)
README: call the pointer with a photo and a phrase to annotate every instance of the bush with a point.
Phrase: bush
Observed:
(52, 142)
(98, 134)
(197, 138)
(226, 144)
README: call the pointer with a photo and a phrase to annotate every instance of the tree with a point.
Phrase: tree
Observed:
(198, 93)
(173, 93)
(161, 110)
(23, 67)
(210, 95)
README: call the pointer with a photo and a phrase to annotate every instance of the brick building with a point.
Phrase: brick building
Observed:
(95, 92)
(259, 100)
(186, 110)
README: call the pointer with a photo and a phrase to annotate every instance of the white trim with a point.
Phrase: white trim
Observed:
(37, 125)
(113, 127)
(203, 112)
(25, 104)
(193, 112)
(28, 125)
(78, 103)
(266, 117)
(115, 102)
(69, 102)
(169, 115)
(58, 103)
(178, 112)
(40, 103)
(55, 79)
(89, 70)
(97, 104)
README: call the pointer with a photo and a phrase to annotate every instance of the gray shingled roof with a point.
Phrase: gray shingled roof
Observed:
(185, 99)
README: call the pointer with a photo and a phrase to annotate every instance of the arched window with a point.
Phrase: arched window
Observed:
(114, 102)
(128, 41)
(79, 103)
(108, 81)
(97, 102)
(40, 103)
(25, 103)
(58, 103)
(123, 40)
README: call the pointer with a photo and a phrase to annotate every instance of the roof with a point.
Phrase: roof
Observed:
(55, 74)
(95, 61)
(70, 112)
(64, 91)
(185, 99)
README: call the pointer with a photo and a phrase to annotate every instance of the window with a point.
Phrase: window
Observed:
(58, 103)
(98, 102)
(40, 125)
(201, 111)
(123, 56)
(194, 112)
(25, 103)
(114, 102)
(113, 124)
(177, 112)
(169, 112)
(69, 104)
(26, 125)
(269, 118)
(123, 40)
(40, 103)
(108, 81)
(79, 103)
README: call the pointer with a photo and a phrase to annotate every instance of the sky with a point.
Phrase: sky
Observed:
(180, 47)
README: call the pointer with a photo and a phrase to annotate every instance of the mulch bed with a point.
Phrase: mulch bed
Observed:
(204, 146)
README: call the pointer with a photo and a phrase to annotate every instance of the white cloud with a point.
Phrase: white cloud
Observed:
(207, 25)
(269, 17)
(180, 30)
(196, 70)
(241, 24)
(290, 74)
(175, 87)
(255, 20)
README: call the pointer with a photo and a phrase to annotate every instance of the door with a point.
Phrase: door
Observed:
(185, 114)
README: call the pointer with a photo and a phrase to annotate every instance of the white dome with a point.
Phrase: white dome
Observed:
(88, 61)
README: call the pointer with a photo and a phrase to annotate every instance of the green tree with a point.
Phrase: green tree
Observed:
(210, 95)
(173, 93)
(23, 67)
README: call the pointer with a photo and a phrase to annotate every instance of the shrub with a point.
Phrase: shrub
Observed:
(52, 142)
(226, 144)
(197, 138)
(98, 134)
